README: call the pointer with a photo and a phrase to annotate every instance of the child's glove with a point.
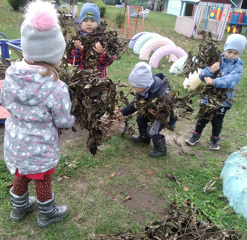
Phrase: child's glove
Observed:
(154, 128)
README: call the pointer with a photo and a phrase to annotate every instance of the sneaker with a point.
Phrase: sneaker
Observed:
(193, 139)
(214, 143)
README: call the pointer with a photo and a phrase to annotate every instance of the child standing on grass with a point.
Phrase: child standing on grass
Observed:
(39, 104)
(148, 86)
(231, 69)
(90, 20)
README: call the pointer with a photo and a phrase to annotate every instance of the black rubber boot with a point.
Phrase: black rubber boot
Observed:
(21, 205)
(159, 148)
(142, 138)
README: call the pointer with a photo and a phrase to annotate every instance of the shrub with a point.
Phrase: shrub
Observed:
(119, 19)
(102, 7)
(17, 4)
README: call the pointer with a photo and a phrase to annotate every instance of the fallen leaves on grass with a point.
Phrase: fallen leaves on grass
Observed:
(61, 178)
(127, 198)
(180, 225)
(173, 178)
(209, 187)
(112, 175)
(150, 172)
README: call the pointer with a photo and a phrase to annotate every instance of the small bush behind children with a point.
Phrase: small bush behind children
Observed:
(89, 20)
(39, 104)
(148, 86)
(231, 70)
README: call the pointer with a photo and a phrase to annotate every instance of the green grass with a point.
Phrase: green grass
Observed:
(97, 201)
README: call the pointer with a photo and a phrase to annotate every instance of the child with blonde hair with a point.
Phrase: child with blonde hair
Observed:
(39, 104)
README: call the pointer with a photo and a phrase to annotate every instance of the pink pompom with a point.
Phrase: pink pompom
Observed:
(41, 15)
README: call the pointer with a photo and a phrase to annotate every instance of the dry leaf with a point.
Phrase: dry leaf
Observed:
(173, 178)
(150, 172)
(65, 177)
(72, 165)
(127, 198)
(209, 187)
(186, 189)
(59, 179)
(79, 219)
(112, 175)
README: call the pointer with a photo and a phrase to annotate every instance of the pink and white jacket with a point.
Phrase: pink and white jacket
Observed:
(38, 107)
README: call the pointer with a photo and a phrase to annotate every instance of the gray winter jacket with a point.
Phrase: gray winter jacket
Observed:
(38, 106)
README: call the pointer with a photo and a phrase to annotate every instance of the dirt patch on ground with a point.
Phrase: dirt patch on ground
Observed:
(140, 200)
(143, 198)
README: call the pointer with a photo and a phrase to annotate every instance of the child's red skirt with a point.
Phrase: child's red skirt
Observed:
(36, 176)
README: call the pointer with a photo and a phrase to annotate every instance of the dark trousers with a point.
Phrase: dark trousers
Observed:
(143, 124)
(216, 122)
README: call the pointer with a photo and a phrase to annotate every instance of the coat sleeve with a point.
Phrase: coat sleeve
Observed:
(74, 56)
(127, 110)
(205, 73)
(106, 60)
(229, 80)
(61, 108)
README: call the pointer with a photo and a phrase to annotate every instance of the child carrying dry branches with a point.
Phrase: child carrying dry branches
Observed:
(90, 20)
(231, 70)
(148, 86)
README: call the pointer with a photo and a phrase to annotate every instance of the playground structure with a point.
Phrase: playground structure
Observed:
(236, 21)
(178, 66)
(144, 43)
(192, 81)
(234, 179)
(202, 21)
(4, 114)
(133, 20)
(14, 45)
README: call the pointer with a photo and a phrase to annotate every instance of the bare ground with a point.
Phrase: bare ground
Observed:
(142, 198)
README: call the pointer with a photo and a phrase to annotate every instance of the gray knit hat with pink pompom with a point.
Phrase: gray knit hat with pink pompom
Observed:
(41, 36)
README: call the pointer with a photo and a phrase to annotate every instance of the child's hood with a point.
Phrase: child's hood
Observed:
(223, 58)
(27, 85)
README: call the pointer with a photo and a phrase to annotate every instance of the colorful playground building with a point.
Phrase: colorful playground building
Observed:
(214, 16)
